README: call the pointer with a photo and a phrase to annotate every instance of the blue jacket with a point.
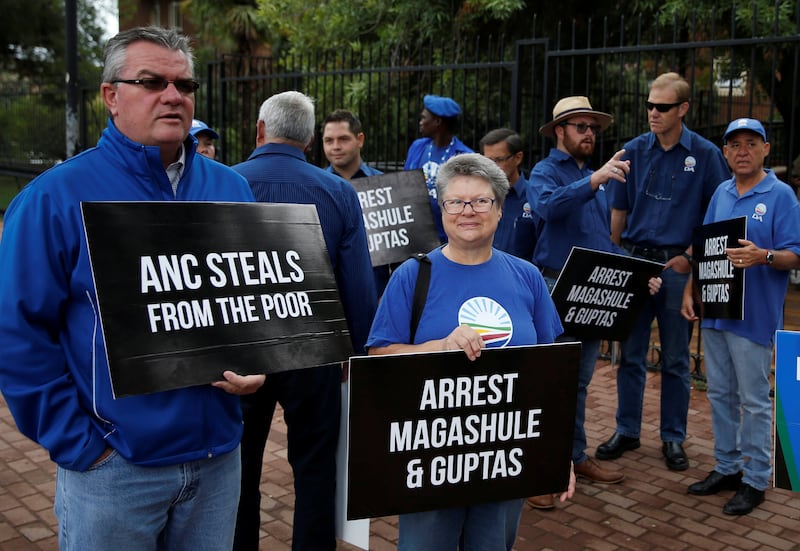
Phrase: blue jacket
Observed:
(279, 173)
(53, 370)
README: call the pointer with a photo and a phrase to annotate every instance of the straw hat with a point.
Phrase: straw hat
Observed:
(571, 106)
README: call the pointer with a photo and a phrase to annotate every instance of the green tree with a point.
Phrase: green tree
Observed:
(33, 35)
(303, 26)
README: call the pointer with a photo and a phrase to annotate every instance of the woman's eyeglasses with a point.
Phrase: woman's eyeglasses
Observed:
(457, 206)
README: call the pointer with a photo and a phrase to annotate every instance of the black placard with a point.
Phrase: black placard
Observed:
(599, 295)
(187, 290)
(717, 285)
(521, 400)
(397, 215)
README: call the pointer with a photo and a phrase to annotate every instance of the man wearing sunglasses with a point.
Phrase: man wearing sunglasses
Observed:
(571, 199)
(159, 470)
(673, 174)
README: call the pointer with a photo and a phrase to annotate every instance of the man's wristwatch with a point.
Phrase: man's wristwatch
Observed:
(770, 257)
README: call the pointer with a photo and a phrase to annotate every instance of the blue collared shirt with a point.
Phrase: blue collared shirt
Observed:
(516, 231)
(667, 191)
(573, 214)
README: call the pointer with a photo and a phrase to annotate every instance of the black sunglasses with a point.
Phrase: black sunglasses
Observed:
(582, 127)
(184, 85)
(661, 107)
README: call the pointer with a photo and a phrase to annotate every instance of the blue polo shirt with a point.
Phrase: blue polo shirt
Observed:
(773, 222)
(667, 191)
(573, 214)
(516, 231)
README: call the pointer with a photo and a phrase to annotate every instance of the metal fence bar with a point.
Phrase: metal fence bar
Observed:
(497, 83)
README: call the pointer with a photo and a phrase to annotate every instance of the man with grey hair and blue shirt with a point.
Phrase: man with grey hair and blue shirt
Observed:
(279, 173)
(738, 353)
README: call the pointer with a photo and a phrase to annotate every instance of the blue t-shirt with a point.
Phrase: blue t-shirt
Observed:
(424, 154)
(773, 222)
(667, 191)
(505, 299)
(516, 231)
(573, 214)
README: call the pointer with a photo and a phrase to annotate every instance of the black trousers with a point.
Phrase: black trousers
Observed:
(311, 401)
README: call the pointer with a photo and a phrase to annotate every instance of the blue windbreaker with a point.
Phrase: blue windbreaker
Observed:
(53, 370)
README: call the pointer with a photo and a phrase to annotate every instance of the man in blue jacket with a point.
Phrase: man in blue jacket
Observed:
(160, 469)
(311, 398)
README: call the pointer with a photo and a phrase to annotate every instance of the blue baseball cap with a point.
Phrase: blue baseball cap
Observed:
(745, 124)
(199, 126)
(441, 106)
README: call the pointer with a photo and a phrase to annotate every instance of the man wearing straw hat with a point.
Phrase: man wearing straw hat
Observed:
(571, 200)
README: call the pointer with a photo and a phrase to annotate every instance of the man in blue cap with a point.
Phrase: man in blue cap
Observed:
(738, 353)
(205, 138)
(437, 124)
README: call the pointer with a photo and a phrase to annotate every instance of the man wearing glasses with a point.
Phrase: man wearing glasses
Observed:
(571, 199)
(516, 231)
(154, 471)
(673, 174)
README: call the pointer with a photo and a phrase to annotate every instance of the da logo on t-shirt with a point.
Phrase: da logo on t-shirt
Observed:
(489, 319)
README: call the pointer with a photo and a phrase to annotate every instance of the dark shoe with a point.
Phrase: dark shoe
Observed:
(615, 446)
(545, 501)
(591, 470)
(715, 483)
(746, 499)
(675, 456)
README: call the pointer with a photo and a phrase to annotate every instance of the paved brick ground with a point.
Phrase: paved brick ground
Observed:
(650, 509)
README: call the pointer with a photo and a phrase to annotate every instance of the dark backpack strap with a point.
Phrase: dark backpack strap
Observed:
(420, 292)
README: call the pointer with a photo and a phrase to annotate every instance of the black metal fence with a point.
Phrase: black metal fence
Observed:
(515, 83)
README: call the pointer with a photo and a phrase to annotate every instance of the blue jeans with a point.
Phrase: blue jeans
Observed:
(119, 505)
(483, 527)
(673, 331)
(590, 349)
(737, 371)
